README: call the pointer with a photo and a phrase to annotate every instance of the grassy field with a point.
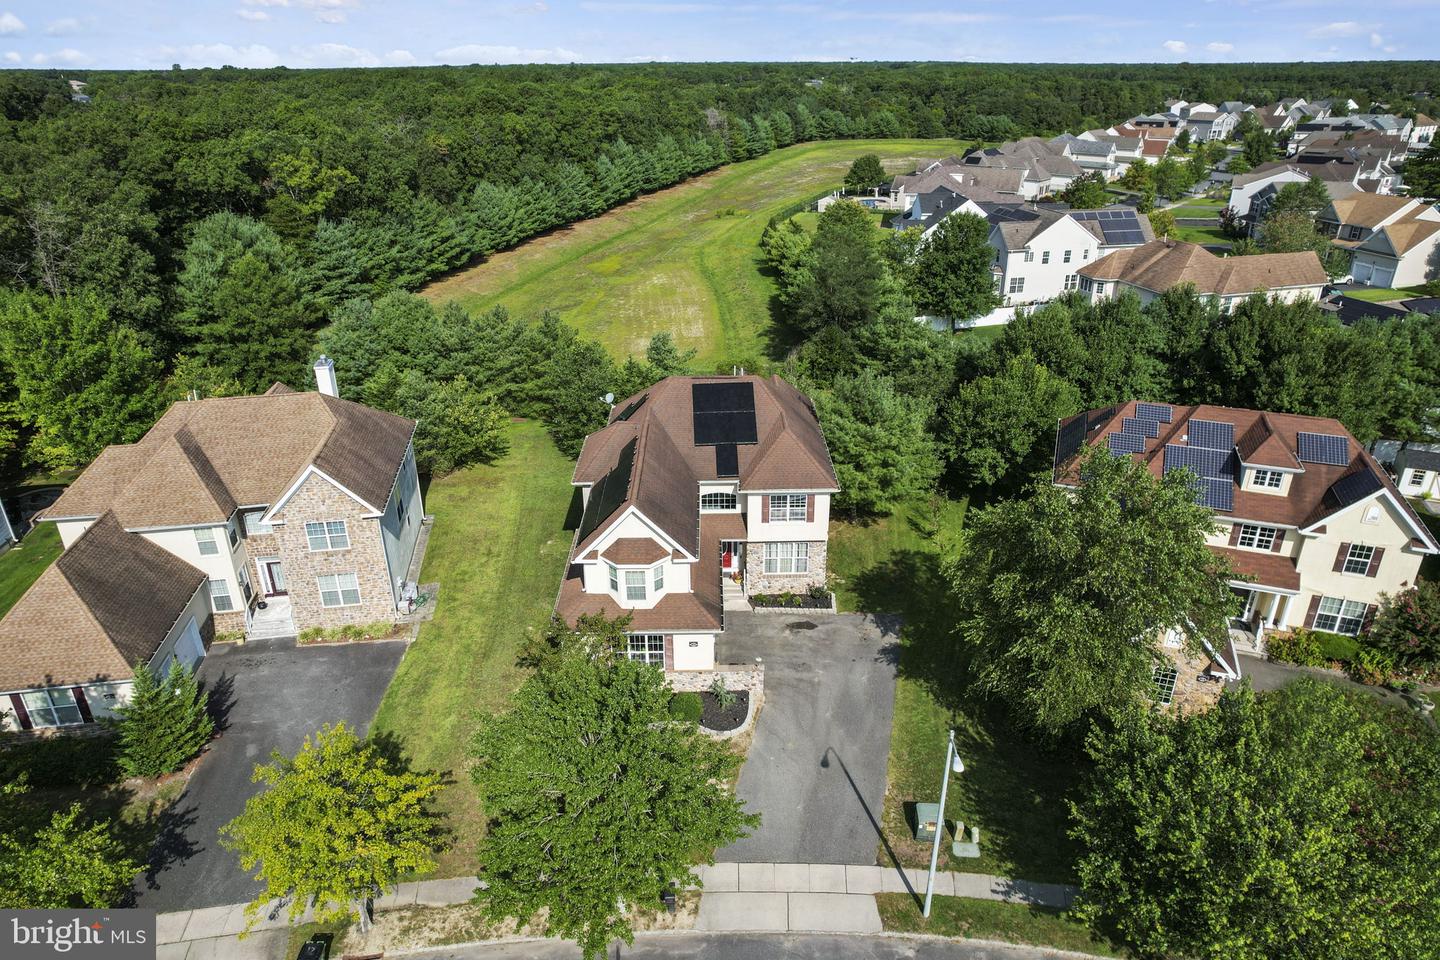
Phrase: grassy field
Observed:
(1383, 294)
(988, 920)
(1011, 790)
(498, 549)
(1206, 235)
(684, 260)
(22, 564)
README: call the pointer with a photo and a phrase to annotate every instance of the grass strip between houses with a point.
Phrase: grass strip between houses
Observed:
(992, 920)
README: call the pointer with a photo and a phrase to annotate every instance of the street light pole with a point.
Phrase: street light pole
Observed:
(940, 825)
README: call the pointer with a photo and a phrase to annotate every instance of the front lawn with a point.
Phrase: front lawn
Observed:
(1013, 791)
(498, 549)
(23, 563)
(991, 920)
(1384, 294)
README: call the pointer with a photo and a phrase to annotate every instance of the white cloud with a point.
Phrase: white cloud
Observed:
(9, 23)
(68, 57)
(62, 27)
(13, 56)
(336, 55)
(1217, 46)
(245, 13)
(268, 3)
(401, 58)
(495, 53)
(1176, 46)
(1340, 28)
(220, 54)
(330, 11)
(647, 59)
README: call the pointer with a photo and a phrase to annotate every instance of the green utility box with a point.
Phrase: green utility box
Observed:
(927, 820)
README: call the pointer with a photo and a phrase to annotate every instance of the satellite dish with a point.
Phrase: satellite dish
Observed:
(609, 398)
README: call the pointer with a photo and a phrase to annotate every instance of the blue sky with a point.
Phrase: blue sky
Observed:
(306, 33)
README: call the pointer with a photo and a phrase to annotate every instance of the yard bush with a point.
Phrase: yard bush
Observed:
(1298, 646)
(60, 761)
(686, 706)
(165, 723)
(1407, 625)
(1371, 666)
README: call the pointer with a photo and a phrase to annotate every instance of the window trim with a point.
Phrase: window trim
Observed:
(1363, 558)
(1044, 256)
(339, 591)
(1163, 676)
(775, 557)
(630, 586)
(1416, 478)
(657, 578)
(225, 592)
(255, 515)
(648, 652)
(614, 573)
(1338, 615)
(232, 530)
(1261, 536)
(1261, 477)
(785, 511)
(1017, 285)
(201, 542)
(51, 707)
(730, 497)
(328, 534)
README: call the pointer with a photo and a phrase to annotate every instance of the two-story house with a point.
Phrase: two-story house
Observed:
(698, 493)
(1393, 241)
(1039, 251)
(1313, 527)
(261, 514)
(1150, 270)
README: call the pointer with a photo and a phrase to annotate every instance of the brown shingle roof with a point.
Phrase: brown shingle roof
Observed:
(203, 458)
(1160, 264)
(1265, 569)
(1367, 209)
(634, 551)
(103, 606)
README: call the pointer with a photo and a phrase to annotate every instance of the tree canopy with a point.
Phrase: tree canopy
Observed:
(952, 276)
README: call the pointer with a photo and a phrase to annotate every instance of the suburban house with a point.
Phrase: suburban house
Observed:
(698, 493)
(1154, 140)
(1150, 270)
(1422, 133)
(927, 210)
(261, 514)
(1314, 528)
(1252, 193)
(1046, 167)
(1415, 466)
(1211, 125)
(1393, 241)
(977, 183)
(1039, 251)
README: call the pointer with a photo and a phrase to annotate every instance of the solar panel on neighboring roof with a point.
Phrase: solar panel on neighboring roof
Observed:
(1323, 448)
(1069, 439)
(609, 492)
(727, 460)
(723, 412)
(1160, 412)
(1355, 487)
(1214, 434)
(1123, 236)
(1146, 428)
(1126, 443)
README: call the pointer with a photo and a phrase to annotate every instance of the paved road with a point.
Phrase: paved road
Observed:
(277, 694)
(733, 946)
(816, 769)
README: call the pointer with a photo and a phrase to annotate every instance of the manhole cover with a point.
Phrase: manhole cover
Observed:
(800, 625)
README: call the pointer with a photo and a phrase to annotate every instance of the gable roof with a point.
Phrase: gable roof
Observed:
(204, 458)
(1365, 209)
(103, 606)
(1161, 264)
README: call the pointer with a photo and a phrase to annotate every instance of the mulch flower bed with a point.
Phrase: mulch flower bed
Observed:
(795, 601)
(722, 719)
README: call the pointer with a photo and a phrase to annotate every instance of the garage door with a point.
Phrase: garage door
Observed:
(1362, 272)
(189, 649)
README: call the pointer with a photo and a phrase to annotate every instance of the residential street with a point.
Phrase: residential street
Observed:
(757, 947)
(275, 694)
(816, 770)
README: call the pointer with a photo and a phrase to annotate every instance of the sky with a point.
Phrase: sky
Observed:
(128, 34)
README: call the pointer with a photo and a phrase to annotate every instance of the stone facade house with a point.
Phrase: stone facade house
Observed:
(291, 510)
(699, 492)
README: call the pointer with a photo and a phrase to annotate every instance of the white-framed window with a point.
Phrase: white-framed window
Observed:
(787, 507)
(1416, 478)
(1029, 256)
(1099, 286)
(1072, 281)
(781, 557)
(55, 707)
(614, 577)
(1067, 256)
(1372, 514)
(1164, 677)
(1269, 478)
(220, 599)
(634, 584)
(205, 541)
(400, 511)
(1017, 284)
(233, 529)
(646, 648)
(327, 535)
(253, 524)
(659, 580)
(1257, 537)
(1045, 256)
(1340, 616)
(1358, 559)
(718, 501)
(339, 590)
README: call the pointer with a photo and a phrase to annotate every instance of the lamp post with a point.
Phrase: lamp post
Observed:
(952, 763)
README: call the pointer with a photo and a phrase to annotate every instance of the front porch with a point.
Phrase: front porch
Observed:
(1265, 609)
(275, 620)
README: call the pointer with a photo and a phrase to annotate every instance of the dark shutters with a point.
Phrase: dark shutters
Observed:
(1370, 610)
(1314, 609)
(809, 509)
(1234, 534)
(1279, 543)
(1340, 556)
(765, 509)
(1375, 562)
(22, 716)
(83, 704)
(669, 652)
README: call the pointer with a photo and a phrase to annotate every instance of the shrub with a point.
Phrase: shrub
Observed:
(1298, 646)
(164, 724)
(686, 706)
(1372, 667)
(723, 695)
(1407, 625)
(61, 761)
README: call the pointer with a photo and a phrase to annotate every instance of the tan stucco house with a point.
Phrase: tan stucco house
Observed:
(699, 492)
(263, 514)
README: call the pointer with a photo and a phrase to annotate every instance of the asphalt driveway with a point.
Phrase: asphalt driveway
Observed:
(272, 695)
(816, 768)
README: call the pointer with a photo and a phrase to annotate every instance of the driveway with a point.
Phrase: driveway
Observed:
(816, 769)
(272, 694)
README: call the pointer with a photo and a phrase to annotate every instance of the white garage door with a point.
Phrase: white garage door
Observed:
(189, 648)
(1362, 272)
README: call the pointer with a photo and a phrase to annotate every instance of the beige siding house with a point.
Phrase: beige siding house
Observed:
(699, 492)
(1150, 270)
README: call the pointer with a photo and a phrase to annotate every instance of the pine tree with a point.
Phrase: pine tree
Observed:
(164, 724)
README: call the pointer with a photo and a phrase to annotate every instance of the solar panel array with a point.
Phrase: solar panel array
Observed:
(1214, 434)
(727, 460)
(1214, 468)
(1069, 439)
(1145, 428)
(1355, 487)
(1323, 448)
(723, 413)
(1126, 443)
(1159, 412)
(1116, 226)
(1216, 494)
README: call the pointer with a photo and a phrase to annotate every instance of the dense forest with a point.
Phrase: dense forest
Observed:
(195, 229)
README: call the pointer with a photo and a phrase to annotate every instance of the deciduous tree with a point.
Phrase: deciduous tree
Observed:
(65, 859)
(1086, 192)
(879, 441)
(952, 276)
(865, 172)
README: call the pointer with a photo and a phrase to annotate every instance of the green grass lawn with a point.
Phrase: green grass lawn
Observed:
(989, 920)
(1013, 791)
(23, 563)
(498, 549)
(1198, 207)
(1204, 235)
(1382, 294)
(684, 260)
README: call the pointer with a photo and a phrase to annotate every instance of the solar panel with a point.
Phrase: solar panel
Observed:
(1323, 448)
(722, 397)
(1203, 461)
(1160, 412)
(609, 491)
(727, 460)
(1213, 434)
(1146, 428)
(723, 412)
(1216, 494)
(1123, 236)
(1355, 487)
(1069, 439)
(1126, 443)
(629, 411)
